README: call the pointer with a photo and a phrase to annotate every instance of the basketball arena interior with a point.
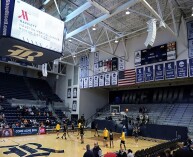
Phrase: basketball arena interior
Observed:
(96, 78)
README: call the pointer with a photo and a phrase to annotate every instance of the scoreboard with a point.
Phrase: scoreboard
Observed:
(156, 54)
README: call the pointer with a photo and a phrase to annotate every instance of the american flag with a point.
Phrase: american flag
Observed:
(126, 77)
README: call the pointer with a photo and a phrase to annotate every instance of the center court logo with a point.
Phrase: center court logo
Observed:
(24, 15)
(29, 150)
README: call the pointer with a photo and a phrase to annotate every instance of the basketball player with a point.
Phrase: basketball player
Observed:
(72, 126)
(122, 140)
(136, 131)
(105, 135)
(79, 124)
(57, 130)
(96, 130)
(111, 138)
(64, 131)
(82, 133)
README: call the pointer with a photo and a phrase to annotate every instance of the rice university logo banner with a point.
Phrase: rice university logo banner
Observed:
(149, 76)
(181, 67)
(107, 79)
(121, 64)
(81, 83)
(114, 78)
(86, 82)
(159, 72)
(96, 81)
(170, 70)
(140, 75)
(90, 83)
(101, 80)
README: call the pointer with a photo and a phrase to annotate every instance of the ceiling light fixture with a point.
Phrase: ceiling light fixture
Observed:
(127, 11)
(116, 39)
(94, 27)
(69, 40)
(192, 11)
(74, 56)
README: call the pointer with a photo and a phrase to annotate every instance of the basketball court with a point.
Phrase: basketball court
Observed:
(48, 145)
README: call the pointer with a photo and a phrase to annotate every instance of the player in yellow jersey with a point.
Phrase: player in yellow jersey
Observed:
(122, 139)
(57, 130)
(79, 124)
(105, 135)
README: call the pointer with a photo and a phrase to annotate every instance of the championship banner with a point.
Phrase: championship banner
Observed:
(181, 68)
(81, 83)
(114, 79)
(190, 48)
(101, 80)
(25, 131)
(191, 67)
(105, 66)
(100, 67)
(159, 72)
(96, 81)
(121, 64)
(6, 133)
(149, 76)
(86, 82)
(90, 83)
(170, 70)
(96, 68)
(190, 29)
(138, 58)
(107, 79)
(114, 64)
(140, 75)
(109, 65)
(87, 60)
(87, 71)
(6, 17)
(96, 57)
(81, 73)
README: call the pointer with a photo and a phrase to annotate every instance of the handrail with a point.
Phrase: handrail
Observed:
(95, 114)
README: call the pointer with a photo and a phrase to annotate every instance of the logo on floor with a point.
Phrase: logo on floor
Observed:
(21, 150)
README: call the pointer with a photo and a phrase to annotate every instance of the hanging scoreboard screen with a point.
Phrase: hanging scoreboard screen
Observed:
(156, 54)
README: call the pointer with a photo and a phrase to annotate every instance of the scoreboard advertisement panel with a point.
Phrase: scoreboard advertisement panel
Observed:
(156, 54)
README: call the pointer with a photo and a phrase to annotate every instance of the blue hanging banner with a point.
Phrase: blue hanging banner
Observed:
(159, 72)
(170, 70)
(149, 76)
(181, 67)
(7, 8)
(191, 67)
(140, 75)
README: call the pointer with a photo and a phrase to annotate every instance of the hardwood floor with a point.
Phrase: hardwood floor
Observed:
(48, 145)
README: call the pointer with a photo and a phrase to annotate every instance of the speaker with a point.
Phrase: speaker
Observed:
(151, 33)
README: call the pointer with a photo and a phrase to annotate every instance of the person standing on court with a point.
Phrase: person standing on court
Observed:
(96, 130)
(111, 138)
(97, 150)
(105, 135)
(82, 133)
(88, 152)
(122, 140)
(57, 130)
(65, 131)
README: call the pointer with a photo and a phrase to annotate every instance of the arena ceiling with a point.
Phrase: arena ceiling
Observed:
(111, 21)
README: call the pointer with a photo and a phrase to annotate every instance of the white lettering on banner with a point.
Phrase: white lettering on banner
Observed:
(6, 17)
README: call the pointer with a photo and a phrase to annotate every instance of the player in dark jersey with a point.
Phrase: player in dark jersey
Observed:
(136, 131)
(64, 131)
(111, 138)
(72, 126)
(96, 130)
(82, 133)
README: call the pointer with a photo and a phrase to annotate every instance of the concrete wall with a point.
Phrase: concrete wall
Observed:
(92, 99)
